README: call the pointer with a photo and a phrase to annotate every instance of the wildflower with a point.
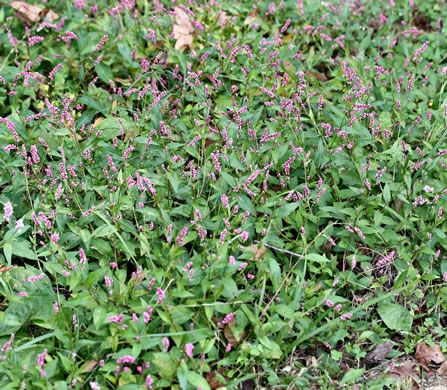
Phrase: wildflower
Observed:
(19, 225)
(243, 266)
(7, 211)
(82, 258)
(148, 382)
(224, 200)
(103, 40)
(166, 343)
(161, 295)
(228, 318)
(189, 349)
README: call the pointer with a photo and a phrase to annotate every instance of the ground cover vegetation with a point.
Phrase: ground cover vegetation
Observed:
(237, 194)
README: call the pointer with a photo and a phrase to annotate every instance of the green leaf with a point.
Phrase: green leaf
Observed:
(20, 249)
(104, 72)
(286, 210)
(165, 365)
(275, 271)
(95, 276)
(104, 231)
(99, 315)
(386, 193)
(90, 102)
(198, 380)
(230, 288)
(317, 258)
(351, 376)
(7, 251)
(395, 316)
(228, 179)
(173, 180)
(271, 349)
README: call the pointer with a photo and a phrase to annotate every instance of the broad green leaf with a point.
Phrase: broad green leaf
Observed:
(7, 251)
(352, 376)
(20, 249)
(286, 210)
(166, 367)
(395, 316)
(104, 72)
(198, 380)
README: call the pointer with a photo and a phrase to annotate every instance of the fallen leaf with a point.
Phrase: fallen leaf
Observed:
(443, 369)
(213, 381)
(288, 66)
(30, 14)
(406, 372)
(251, 17)
(379, 353)
(50, 15)
(221, 18)
(426, 354)
(398, 205)
(258, 252)
(98, 121)
(89, 366)
(209, 142)
(183, 29)
(229, 335)
(140, 277)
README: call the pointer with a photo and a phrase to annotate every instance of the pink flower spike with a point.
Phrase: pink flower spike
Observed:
(189, 349)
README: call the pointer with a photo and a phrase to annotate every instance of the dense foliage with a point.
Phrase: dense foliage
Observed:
(198, 194)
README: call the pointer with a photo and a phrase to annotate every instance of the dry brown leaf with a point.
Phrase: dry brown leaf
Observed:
(98, 121)
(221, 18)
(379, 353)
(288, 66)
(229, 335)
(50, 15)
(140, 277)
(426, 354)
(213, 381)
(183, 29)
(30, 14)
(209, 142)
(443, 369)
(398, 205)
(89, 366)
(251, 17)
(406, 372)
(258, 252)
